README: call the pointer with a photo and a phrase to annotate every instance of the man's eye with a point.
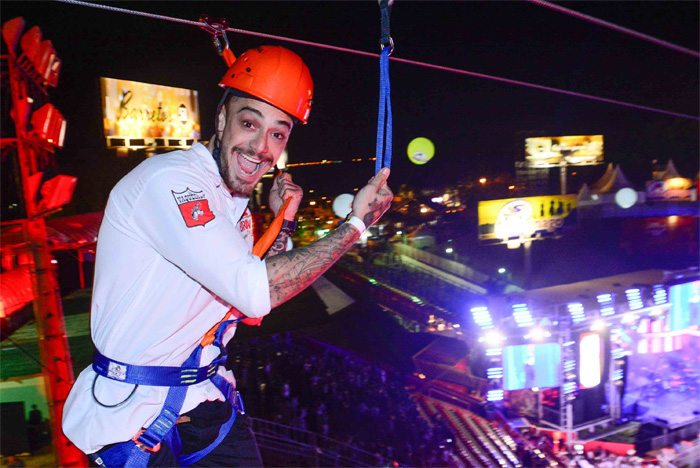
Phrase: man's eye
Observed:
(279, 136)
(247, 124)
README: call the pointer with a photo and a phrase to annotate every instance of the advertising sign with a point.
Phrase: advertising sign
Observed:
(579, 150)
(143, 114)
(525, 217)
(676, 189)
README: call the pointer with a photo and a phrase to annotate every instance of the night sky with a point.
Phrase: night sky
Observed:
(478, 126)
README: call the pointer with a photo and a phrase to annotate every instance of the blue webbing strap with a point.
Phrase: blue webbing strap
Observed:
(160, 376)
(231, 396)
(384, 123)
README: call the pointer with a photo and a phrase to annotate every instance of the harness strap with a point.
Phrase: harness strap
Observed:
(135, 453)
(160, 376)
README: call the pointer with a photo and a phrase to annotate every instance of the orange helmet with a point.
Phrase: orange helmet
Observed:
(275, 75)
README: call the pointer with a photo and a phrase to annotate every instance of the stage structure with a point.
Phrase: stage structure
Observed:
(566, 349)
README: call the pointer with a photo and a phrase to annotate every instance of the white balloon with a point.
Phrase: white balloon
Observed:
(626, 197)
(342, 205)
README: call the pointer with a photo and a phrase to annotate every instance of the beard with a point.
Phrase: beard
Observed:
(229, 172)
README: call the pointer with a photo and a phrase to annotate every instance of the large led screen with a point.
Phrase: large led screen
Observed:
(590, 360)
(685, 305)
(532, 365)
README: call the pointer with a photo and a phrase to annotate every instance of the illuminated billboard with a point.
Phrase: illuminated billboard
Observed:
(148, 115)
(578, 150)
(531, 366)
(525, 217)
(676, 189)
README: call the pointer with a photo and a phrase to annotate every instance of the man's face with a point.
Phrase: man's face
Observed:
(253, 135)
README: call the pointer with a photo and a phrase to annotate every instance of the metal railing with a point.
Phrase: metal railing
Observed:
(284, 446)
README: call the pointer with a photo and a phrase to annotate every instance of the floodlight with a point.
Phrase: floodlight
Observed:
(494, 338)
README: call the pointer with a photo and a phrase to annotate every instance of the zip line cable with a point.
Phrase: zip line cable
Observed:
(58, 377)
(396, 59)
(616, 27)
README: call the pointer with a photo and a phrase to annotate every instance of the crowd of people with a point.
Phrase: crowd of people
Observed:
(309, 386)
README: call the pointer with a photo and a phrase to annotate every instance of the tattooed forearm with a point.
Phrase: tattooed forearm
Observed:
(279, 246)
(291, 272)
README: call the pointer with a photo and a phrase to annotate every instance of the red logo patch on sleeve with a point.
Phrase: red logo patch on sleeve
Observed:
(194, 207)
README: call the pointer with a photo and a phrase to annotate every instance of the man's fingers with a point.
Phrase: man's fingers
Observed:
(380, 178)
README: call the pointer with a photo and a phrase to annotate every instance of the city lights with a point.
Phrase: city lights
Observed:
(449, 250)
(501, 270)
(482, 181)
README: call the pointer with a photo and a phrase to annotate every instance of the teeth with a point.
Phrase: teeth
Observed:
(250, 159)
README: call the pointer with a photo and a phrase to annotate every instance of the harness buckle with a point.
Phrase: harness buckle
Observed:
(143, 447)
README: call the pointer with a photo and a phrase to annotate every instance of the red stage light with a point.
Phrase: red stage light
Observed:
(11, 32)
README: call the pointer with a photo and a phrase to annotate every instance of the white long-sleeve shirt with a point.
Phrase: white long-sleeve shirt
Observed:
(173, 254)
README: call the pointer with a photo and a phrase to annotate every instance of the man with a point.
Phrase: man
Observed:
(174, 254)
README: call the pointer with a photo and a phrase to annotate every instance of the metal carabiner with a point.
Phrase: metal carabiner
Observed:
(391, 44)
(217, 28)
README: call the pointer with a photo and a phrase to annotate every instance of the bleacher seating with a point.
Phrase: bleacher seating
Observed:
(479, 442)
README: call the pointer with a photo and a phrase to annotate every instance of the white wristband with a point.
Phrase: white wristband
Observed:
(357, 223)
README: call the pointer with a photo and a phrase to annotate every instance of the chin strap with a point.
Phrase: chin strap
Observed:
(217, 142)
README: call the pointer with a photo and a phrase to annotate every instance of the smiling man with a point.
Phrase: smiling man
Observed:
(174, 258)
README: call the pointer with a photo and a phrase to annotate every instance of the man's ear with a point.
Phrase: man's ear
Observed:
(221, 122)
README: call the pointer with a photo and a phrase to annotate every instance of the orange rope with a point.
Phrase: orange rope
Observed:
(261, 246)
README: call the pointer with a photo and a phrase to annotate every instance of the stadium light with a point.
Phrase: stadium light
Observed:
(449, 250)
(634, 298)
(576, 311)
(494, 338)
(494, 395)
(598, 325)
(522, 315)
(482, 317)
(539, 334)
(660, 296)
(607, 305)
(629, 318)
(501, 270)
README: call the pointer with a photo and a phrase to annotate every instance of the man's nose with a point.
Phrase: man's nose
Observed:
(259, 143)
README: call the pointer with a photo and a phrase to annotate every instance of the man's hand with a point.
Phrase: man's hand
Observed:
(372, 201)
(283, 188)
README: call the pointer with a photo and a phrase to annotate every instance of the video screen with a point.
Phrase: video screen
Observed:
(685, 305)
(590, 360)
(530, 366)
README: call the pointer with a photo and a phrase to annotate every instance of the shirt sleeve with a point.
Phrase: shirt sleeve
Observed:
(180, 216)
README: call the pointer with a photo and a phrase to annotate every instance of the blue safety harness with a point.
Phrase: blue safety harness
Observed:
(136, 452)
